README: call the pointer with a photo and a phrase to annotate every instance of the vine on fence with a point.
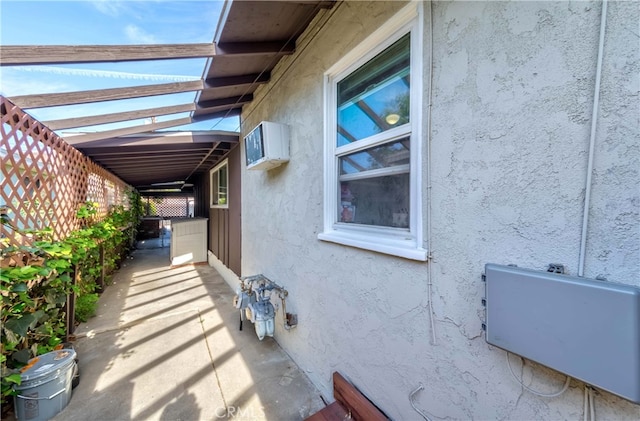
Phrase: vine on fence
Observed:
(37, 278)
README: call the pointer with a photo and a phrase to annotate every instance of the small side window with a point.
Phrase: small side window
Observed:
(220, 186)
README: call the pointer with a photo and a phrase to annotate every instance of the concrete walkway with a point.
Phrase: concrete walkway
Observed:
(165, 345)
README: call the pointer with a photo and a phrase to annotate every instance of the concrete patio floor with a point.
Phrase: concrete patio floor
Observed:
(166, 345)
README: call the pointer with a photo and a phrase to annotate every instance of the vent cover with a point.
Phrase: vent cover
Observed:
(584, 328)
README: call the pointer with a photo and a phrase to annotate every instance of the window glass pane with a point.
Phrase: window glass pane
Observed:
(375, 97)
(383, 156)
(214, 183)
(382, 201)
(219, 186)
(222, 185)
(214, 188)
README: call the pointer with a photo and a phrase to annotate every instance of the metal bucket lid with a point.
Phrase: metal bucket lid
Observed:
(45, 364)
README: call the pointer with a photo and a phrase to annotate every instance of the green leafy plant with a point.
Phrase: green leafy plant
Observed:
(86, 306)
(34, 284)
(36, 279)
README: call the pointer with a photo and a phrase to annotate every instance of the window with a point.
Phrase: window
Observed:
(372, 141)
(220, 186)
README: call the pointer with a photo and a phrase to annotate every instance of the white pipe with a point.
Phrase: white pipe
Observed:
(585, 407)
(413, 405)
(592, 140)
(589, 409)
(592, 407)
(429, 243)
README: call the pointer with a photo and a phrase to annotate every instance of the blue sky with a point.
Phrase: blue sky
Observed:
(108, 22)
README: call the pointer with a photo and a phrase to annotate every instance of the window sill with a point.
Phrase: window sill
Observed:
(387, 245)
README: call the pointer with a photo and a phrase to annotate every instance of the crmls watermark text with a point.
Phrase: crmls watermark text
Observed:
(239, 413)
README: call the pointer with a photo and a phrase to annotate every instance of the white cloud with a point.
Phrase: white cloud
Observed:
(12, 83)
(108, 7)
(66, 71)
(138, 35)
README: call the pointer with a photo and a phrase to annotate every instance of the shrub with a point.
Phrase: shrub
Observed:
(86, 306)
(36, 279)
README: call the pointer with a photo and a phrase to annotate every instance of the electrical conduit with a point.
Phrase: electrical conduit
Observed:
(592, 140)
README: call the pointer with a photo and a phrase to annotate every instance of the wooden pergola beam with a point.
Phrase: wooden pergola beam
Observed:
(74, 140)
(20, 55)
(69, 123)
(25, 55)
(224, 82)
(105, 149)
(162, 186)
(134, 162)
(204, 160)
(254, 48)
(99, 95)
(209, 114)
(161, 140)
(159, 193)
(153, 155)
(137, 170)
(321, 5)
(225, 102)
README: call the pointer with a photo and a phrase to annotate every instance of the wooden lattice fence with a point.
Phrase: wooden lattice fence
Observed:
(45, 180)
(168, 207)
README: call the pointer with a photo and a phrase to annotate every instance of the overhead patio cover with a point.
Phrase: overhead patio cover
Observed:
(252, 36)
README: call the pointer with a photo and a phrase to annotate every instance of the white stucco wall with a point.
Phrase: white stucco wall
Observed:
(512, 97)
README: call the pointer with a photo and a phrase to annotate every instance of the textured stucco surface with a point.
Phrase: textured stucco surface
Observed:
(512, 97)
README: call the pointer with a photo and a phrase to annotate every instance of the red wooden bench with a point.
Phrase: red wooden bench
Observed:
(349, 404)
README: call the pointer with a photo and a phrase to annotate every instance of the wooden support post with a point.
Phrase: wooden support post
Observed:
(70, 306)
(132, 237)
(102, 268)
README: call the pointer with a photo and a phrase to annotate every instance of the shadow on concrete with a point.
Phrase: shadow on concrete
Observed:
(185, 403)
(165, 345)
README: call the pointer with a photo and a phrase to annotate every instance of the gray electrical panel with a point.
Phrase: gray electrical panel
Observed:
(584, 328)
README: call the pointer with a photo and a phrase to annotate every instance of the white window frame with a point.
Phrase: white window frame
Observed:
(407, 243)
(212, 191)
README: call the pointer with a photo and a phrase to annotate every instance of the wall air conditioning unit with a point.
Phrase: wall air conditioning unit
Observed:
(267, 146)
